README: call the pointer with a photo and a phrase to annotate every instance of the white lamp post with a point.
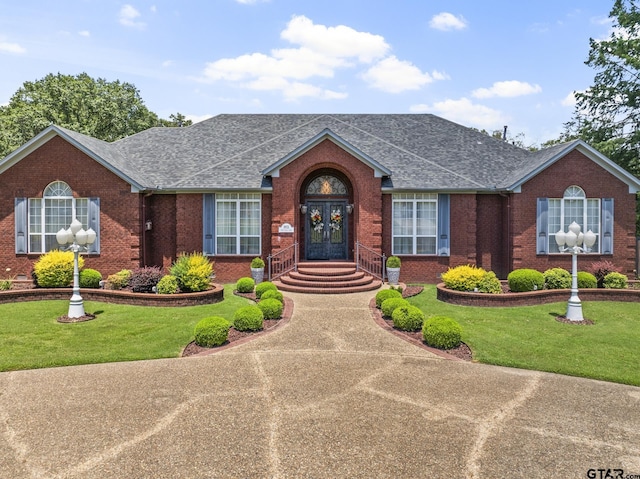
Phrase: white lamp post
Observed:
(574, 239)
(77, 239)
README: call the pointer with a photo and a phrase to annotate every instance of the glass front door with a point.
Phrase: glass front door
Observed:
(325, 232)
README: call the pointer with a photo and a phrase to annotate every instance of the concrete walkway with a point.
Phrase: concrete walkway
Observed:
(330, 394)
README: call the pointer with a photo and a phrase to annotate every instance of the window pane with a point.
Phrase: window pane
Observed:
(249, 245)
(402, 218)
(226, 218)
(573, 211)
(249, 218)
(35, 215)
(226, 245)
(554, 220)
(35, 244)
(426, 221)
(58, 214)
(402, 245)
(82, 212)
(426, 245)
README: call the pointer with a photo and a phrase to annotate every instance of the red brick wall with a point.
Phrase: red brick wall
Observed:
(120, 209)
(574, 169)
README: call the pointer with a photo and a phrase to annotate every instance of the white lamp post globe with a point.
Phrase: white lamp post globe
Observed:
(81, 237)
(75, 226)
(61, 237)
(560, 238)
(91, 236)
(571, 239)
(574, 228)
(589, 239)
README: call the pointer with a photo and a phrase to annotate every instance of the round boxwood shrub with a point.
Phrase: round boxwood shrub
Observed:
(586, 280)
(441, 332)
(557, 278)
(615, 280)
(525, 279)
(388, 306)
(212, 331)
(263, 287)
(89, 278)
(248, 318)
(168, 285)
(257, 263)
(55, 269)
(386, 294)
(271, 308)
(272, 294)
(120, 279)
(407, 318)
(245, 285)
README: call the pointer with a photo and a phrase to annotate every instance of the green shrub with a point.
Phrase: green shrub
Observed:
(245, 285)
(389, 305)
(89, 278)
(143, 280)
(490, 284)
(393, 262)
(248, 318)
(523, 280)
(441, 332)
(586, 280)
(55, 269)
(463, 278)
(386, 294)
(397, 288)
(602, 268)
(120, 279)
(168, 285)
(407, 318)
(257, 263)
(272, 294)
(271, 308)
(212, 331)
(5, 284)
(264, 286)
(193, 272)
(615, 280)
(557, 278)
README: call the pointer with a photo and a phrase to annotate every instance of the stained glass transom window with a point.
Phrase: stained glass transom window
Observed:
(326, 185)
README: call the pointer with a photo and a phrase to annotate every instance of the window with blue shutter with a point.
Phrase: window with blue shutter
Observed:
(208, 222)
(444, 221)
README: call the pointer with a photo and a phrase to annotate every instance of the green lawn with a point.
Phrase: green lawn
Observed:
(30, 336)
(529, 337)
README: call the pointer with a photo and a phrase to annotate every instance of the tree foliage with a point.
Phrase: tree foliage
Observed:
(99, 108)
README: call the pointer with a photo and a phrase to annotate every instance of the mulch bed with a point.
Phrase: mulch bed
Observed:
(81, 319)
(584, 322)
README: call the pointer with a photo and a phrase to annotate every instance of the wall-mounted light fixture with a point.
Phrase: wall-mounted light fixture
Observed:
(303, 209)
(349, 209)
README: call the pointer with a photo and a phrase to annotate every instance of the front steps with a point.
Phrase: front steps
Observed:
(327, 277)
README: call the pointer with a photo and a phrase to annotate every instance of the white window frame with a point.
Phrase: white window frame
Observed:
(238, 199)
(414, 199)
(39, 223)
(586, 221)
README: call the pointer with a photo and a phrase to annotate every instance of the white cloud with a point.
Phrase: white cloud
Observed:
(128, 17)
(395, 76)
(167, 63)
(569, 100)
(507, 89)
(448, 21)
(336, 42)
(84, 33)
(198, 118)
(7, 47)
(465, 112)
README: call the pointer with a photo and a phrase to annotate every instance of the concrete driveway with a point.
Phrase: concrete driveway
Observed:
(330, 394)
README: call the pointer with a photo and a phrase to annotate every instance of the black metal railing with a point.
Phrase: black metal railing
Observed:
(283, 261)
(370, 261)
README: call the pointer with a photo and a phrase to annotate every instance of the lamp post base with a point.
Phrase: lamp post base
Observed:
(574, 309)
(76, 307)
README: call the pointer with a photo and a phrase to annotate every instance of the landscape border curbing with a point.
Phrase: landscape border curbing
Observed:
(214, 295)
(532, 298)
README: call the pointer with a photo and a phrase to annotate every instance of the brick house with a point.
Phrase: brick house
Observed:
(433, 192)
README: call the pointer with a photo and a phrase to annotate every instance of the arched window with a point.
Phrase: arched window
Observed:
(573, 206)
(54, 211)
(326, 185)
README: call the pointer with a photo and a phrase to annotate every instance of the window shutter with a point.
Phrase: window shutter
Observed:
(444, 222)
(208, 221)
(94, 223)
(20, 213)
(542, 226)
(607, 226)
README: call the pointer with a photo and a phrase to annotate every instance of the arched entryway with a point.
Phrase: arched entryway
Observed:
(326, 197)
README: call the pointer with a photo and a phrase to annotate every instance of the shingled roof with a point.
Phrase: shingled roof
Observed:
(232, 152)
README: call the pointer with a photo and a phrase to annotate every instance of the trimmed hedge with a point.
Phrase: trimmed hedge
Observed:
(586, 280)
(615, 281)
(388, 306)
(264, 287)
(248, 318)
(212, 331)
(557, 278)
(407, 318)
(55, 269)
(168, 285)
(272, 294)
(89, 278)
(120, 279)
(523, 280)
(441, 332)
(386, 294)
(271, 308)
(245, 285)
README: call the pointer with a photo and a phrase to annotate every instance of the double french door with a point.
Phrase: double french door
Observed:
(326, 230)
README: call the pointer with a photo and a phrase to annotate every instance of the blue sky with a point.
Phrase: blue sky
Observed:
(481, 64)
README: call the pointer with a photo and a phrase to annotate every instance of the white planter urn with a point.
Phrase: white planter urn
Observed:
(257, 274)
(393, 275)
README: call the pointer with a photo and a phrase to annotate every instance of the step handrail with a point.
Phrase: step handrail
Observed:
(370, 261)
(283, 261)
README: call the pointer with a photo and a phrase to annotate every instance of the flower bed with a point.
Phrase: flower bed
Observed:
(214, 295)
(532, 298)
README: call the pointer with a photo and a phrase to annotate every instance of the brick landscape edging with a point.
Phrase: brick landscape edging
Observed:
(532, 298)
(214, 295)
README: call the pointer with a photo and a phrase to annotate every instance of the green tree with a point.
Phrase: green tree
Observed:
(105, 110)
(178, 120)
(607, 115)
